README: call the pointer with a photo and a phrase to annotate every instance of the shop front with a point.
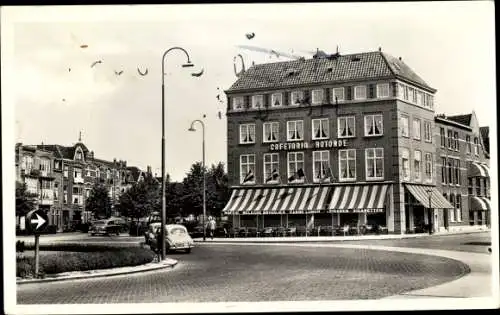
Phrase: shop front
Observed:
(479, 211)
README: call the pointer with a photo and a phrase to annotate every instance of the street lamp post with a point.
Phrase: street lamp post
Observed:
(203, 170)
(429, 215)
(163, 180)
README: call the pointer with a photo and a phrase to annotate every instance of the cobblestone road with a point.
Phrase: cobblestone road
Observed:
(238, 273)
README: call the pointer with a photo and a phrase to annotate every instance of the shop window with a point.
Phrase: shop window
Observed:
(417, 167)
(257, 101)
(346, 127)
(295, 164)
(458, 207)
(383, 90)
(247, 169)
(320, 129)
(317, 96)
(295, 130)
(405, 163)
(321, 165)
(338, 95)
(347, 165)
(374, 161)
(405, 130)
(374, 125)
(276, 99)
(427, 131)
(238, 103)
(360, 92)
(428, 167)
(271, 168)
(247, 133)
(271, 131)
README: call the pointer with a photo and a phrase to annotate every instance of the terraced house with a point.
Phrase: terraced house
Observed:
(64, 176)
(334, 140)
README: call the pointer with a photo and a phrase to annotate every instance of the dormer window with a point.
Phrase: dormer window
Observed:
(296, 98)
(317, 97)
(238, 103)
(257, 101)
(276, 99)
(78, 154)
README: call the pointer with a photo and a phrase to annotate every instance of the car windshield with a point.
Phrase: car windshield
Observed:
(177, 231)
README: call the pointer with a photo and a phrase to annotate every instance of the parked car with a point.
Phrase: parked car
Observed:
(138, 228)
(196, 231)
(176, 238)
(124, 225)
(104, 227)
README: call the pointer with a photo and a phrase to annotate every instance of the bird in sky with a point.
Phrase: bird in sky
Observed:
(95, 62)
(250, 35)
(69, 69)
(142, 73)
(199, 74)
(118, 73)
(84, 46)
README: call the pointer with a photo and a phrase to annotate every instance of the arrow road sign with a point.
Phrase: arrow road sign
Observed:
(37, 220)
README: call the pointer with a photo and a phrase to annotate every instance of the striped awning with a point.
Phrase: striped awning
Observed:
(277, 200)
(479, 203)
(421, 193)
(358, 198)
(479, 170)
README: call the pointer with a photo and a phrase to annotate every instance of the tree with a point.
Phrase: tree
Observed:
(192, 196)
(217, 189)
(25, 201)
(99, 202)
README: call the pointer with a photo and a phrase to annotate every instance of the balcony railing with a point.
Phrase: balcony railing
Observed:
(78, 180)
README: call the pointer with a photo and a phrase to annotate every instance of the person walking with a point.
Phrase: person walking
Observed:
(211, 226)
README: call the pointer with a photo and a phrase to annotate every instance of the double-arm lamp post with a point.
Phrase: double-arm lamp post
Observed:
(163, 179)
(203, 170)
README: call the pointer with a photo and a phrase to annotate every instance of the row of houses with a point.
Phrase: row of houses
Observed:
(61, 178)
(351, 139)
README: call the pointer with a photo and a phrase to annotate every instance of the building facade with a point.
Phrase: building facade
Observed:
(63, 178)
(333, 140)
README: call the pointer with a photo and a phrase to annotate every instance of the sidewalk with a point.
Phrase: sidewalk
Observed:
(308, 239)
(74, 275)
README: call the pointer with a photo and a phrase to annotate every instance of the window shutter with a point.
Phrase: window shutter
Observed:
(394, 89)
(371, 91)
(307, 97)
(349, 93)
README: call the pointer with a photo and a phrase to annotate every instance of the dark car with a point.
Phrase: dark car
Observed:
(104, 227)
(196, 231)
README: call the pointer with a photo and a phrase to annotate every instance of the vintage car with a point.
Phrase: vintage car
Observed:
(176, 238)
(105, 227)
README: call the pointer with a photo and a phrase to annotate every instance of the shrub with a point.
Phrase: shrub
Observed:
(80, 247)
(65, 261)
(51, 229)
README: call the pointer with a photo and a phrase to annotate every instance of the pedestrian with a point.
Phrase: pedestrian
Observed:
(211, 226)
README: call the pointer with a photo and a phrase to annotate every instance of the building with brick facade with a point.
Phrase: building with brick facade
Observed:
(64, 176)
(333, 140)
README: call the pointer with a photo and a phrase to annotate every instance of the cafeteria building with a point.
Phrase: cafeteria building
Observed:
(340, 140)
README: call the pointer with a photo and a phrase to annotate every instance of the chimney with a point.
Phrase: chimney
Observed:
(380, 49)
(400, 59)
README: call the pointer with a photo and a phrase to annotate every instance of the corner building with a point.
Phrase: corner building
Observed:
(330, 141)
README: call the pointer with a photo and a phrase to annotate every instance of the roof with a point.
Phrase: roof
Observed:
(135, 172)
(485, 135)
(343, 68)
(461, 119)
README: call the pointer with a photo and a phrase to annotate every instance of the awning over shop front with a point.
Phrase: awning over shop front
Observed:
(480, 203)
(479, 170)
(277, 200)
(421, 193)
(358, 198)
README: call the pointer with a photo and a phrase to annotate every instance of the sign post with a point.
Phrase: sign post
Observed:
(37, 222)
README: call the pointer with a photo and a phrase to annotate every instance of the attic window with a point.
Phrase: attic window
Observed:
(355, 58)
(329, 69)
(290, 72)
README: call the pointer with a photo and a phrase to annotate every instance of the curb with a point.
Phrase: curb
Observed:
(100, 273)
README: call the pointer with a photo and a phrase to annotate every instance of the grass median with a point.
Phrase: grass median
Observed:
(65, 257)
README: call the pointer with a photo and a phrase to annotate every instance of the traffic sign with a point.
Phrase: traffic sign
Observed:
(37, 221)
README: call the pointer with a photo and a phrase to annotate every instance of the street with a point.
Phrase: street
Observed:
(238, 273)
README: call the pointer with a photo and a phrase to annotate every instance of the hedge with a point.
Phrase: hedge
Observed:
(86, 259)
(80, 247)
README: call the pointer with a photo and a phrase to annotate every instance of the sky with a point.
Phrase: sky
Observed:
(449, 44)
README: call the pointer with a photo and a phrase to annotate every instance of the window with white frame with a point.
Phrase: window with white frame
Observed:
(374, 125)
(360, 92)
(444, 176)
(77, 173)
(469, 144)
(401, 91)
(320, 129)
(238, 103)
(415, 92)
(405, 128)
(338, 95)
(452, 211)
(443, 137)
(458, 207)
(317, 96)
(271, 131)
(347, 165)
(458, 176)
(295, 130)
(417, 129)
(405, 163)
(456, 139)
(346, 127)
(247, 168)
(427, 131)
(295, 163)
(271, 167)
(406, 93)
(417, 165)
(276, 99)
(257, 101)
(419, 98)
(431, 101)
(428, 167)
(476, 146)
(450, 139)
(383, 90)
(65, 172)
(247, 133)
(321, 165)
(374, 160)
(296, 97)
(411, 94)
